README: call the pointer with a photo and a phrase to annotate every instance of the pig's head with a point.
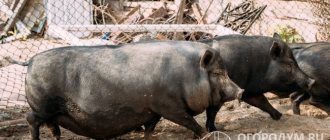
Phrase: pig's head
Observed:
(223, 88)
(283, 72)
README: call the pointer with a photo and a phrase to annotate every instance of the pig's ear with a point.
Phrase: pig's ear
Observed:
(276, 50)
(207, 58)
(277, 36)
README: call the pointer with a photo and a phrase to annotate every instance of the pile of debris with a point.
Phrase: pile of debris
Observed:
(19, 18)
(111, 12)
(239, 18)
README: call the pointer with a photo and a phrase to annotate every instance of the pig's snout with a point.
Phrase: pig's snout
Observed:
(240, 94)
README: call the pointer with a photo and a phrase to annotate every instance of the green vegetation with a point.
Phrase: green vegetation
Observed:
(289, 34)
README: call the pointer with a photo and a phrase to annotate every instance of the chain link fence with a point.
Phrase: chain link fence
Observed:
(28, 27)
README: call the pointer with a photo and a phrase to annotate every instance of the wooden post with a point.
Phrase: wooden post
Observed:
(197, 12)
(12, 14)
(179, 18)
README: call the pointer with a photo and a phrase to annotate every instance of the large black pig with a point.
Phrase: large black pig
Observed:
(314, 60)
(107, 91)
(258, 64)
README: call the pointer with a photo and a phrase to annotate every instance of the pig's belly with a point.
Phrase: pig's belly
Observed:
(104, 124)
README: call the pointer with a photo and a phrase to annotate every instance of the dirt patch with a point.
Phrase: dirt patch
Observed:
(234, 119)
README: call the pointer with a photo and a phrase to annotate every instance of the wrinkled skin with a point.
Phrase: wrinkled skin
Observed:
(314, 60)
(258, 64)
(106, 91)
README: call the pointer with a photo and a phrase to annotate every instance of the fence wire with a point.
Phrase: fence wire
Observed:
(28, 27)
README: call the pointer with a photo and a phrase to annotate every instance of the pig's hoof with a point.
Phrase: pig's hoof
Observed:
(139, 129)
(295, 108)
(211, 129)
(296, 111)
(276, 116)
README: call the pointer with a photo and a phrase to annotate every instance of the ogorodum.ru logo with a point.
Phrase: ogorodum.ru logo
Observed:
(216, 135)
(280, 136)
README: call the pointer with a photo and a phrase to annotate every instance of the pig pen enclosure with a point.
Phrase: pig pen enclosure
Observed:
(28, 27)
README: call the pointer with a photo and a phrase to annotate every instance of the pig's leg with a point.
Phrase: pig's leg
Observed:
(150, 127)
(55, 129)
(69, 123)
(296, 99)
(211, 113)
(262, 103)
(34, 122)
(294, 95)
(184, 119)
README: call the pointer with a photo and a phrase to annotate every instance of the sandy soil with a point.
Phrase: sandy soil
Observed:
(238, 121)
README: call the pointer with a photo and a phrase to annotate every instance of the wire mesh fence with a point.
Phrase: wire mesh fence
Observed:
(28, 27)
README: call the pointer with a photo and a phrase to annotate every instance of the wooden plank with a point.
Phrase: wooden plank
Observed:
(152, 4)
(159, 13)
(110, 14)
(179, 18)
(207, 9)
(209, 28)
(197, 12)
(57, 31)
(13, 37)
(180, 11)
(13, 16)
(115, 35)
(13, 122)
(33, 13)
(130, 13)
(211, 9)
(23, 31)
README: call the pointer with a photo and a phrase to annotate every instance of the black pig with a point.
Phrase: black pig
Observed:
(106, 91)
(314, 60)
(258, 64)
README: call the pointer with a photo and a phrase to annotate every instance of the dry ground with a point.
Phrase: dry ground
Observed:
(234, 119)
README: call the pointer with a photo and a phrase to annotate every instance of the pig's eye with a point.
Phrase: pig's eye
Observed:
(289, 67)
(217, 72)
